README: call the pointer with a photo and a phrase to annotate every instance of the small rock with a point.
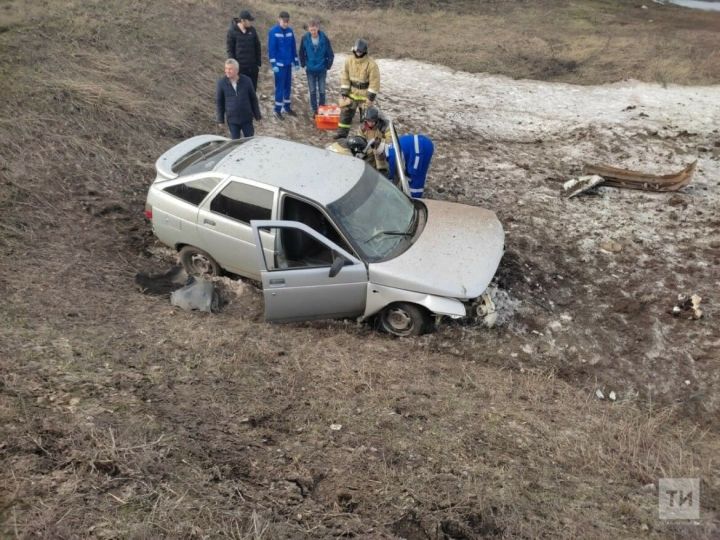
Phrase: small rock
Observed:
(612, 396)
(599, 394)
(336, 427)
(611, 246)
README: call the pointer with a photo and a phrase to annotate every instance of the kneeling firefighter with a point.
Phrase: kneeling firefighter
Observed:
(375, 130)
(359, 85)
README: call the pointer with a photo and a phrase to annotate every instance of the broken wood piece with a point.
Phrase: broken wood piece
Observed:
(580, 185)
(624, 178)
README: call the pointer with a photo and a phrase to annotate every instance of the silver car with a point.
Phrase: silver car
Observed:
(325, 234)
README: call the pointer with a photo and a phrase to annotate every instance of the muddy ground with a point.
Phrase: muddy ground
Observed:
(123, 417)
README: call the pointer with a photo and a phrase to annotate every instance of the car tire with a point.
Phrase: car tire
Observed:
(403, 319)
(197, 262)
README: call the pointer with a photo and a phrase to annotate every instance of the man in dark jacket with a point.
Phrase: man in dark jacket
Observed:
(236, 101)
(243, 45)
(316, 56)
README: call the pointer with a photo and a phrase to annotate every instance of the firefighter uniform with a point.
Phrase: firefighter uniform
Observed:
(359, 84)
(378, 138)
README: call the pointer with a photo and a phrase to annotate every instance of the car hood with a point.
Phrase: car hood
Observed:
(456, 255)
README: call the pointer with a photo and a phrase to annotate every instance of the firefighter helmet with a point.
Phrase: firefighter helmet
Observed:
(361, 47)
(372, 114)
(356, 144)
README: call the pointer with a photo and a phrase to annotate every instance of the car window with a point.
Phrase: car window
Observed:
(243, 202)
(294, 248)
(296, 210)
(205, 157)
(378, 218)
(194, 191)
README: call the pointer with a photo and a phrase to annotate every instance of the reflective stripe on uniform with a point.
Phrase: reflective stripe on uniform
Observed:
(416, 143)
(341, 125)
(416, 191)
(358, 98)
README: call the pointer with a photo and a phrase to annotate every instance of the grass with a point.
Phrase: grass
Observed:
(121, 417)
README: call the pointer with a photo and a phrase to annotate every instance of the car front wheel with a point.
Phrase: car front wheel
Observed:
(403, 319)
(198, 263)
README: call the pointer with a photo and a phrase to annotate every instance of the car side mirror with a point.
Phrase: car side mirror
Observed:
(337, 265)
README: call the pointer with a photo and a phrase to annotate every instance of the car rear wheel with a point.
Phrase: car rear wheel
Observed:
(403, 319)
(197, 262)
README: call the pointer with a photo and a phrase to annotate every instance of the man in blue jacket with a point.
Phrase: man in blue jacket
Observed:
(417, 151)
(283, 61)
(236, 101)
(316, 56)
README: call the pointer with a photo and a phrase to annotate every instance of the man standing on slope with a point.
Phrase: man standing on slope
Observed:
(316, 56)
(359, 85)
(283, 61)
(243, 44)
(236, 102)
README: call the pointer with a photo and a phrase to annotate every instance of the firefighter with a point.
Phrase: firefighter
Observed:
(359, 86)
(375, 130)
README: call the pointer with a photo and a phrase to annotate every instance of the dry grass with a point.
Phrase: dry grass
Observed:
(123, 418)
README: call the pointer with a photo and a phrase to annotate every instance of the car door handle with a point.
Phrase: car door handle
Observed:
(277, 281)
(209, 222)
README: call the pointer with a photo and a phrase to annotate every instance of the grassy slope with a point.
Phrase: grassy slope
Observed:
(116, 423)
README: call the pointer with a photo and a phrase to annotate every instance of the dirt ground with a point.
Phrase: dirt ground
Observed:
(123, 417)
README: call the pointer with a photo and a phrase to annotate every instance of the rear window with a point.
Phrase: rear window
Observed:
(194, 191)
(205, 157)
(243, 202)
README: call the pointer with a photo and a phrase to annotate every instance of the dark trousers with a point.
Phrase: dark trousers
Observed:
(348, 112)
(252, 72)
(316, 87)
(247, 129)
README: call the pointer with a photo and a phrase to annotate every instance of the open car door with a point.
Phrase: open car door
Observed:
(399, 161)
(306, 276)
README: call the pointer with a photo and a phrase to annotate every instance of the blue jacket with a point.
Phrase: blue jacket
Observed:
(236, 106)
(316, 59)
(417, 151)
(281, 47)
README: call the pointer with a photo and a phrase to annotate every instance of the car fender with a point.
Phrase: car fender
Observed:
(379, 296)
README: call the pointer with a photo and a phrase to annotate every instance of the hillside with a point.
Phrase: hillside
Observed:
(123, 417)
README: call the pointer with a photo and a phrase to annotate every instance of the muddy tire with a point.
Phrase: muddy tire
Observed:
(197, 262)
(403, 319)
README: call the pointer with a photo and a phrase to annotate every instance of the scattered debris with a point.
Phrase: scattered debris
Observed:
(611, 246)
(581, 185)
(161, 284)
(486, 310)
(198, 294)
(336, 427)
(599, 394)
(687, 305)
(625, 178)
(612, 395)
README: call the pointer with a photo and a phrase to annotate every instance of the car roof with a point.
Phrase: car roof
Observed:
(315, 173)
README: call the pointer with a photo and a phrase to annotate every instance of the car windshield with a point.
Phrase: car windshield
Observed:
(379, 218)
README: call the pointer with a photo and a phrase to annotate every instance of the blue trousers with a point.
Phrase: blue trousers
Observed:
(316, 87)
(247, 129)
(283, 88)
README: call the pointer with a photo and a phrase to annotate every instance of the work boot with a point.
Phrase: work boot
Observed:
(341, 134)
(290, 112)
(278, 115)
